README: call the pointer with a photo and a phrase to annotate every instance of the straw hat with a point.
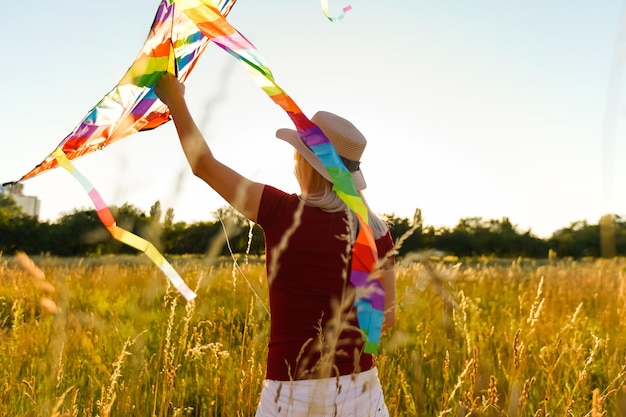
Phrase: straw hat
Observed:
(347, 140)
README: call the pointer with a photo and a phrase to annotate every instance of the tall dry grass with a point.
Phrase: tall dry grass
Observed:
(107, 337)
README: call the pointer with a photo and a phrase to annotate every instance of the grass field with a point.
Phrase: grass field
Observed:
(107, 337)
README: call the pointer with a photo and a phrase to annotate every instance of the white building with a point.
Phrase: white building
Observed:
(30, 205)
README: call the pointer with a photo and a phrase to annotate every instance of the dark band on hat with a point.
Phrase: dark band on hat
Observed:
(350, 164)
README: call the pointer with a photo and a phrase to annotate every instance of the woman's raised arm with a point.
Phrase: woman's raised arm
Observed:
(241, 193)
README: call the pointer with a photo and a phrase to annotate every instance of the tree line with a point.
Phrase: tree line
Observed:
(80, 233)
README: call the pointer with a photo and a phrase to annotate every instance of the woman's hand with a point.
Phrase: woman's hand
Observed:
(169, 90)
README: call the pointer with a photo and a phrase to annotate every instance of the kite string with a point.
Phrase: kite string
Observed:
(123, 235)
(236, 263)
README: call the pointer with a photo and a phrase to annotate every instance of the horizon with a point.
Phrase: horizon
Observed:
(212, 218)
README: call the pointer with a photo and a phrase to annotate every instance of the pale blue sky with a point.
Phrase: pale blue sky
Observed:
(487, 108)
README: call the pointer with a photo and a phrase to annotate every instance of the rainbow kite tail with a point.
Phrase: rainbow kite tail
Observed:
(122, 235)
(370, 308)
(371, 323)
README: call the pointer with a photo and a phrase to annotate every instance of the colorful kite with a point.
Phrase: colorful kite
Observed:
(178, 36)
(132, 105)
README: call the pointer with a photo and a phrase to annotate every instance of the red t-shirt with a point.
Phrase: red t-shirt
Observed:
(308, 276)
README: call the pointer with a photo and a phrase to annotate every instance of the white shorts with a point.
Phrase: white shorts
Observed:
(356, 395)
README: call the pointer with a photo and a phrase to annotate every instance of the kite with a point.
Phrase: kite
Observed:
(179, 35)
(132, 106)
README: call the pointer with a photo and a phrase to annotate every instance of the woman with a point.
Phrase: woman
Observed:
(315, 364)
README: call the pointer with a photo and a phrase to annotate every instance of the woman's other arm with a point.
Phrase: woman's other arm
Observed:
(388, 282)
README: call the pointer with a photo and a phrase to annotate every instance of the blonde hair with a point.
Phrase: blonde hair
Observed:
(317, 191)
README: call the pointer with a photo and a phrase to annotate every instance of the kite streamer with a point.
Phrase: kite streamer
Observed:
(370, 293)
(335, 19)
(120, 234)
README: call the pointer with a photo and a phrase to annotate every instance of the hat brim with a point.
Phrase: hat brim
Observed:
(291, 136)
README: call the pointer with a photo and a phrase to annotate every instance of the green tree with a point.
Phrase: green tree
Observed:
(8, 208)
(474, 236)
(134, 220)
(410, 232)
(81, 233)
(236, 234)
(169, 218)
(154, 230)
(155, 212)
(578, 240)
(190, 239)
(18, 231)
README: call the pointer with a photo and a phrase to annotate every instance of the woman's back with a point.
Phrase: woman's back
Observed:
(314, 330)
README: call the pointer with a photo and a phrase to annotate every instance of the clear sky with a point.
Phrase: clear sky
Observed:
(486, 108)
